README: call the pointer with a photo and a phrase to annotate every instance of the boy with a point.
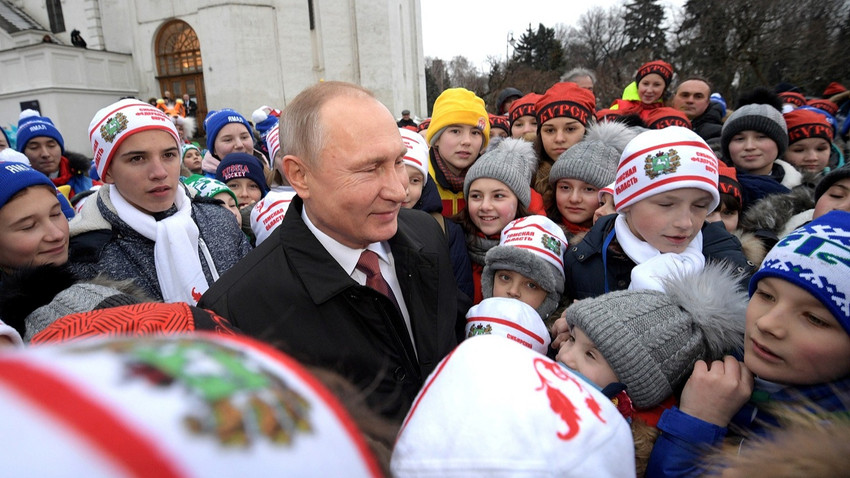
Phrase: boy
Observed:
(458, 133)
(142, 224)
(752, 140)
(666, 184)
(796, 350)
(215, 189)
(527, 265)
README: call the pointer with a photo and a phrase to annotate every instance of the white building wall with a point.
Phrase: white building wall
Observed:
(255, 52)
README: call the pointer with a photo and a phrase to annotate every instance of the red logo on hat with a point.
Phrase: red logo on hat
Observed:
(560, 403)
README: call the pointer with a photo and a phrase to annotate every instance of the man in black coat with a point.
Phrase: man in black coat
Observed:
(693, 98)
(301, 289)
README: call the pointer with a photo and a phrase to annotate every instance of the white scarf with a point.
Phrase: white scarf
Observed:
(652, 264)
(176, 240)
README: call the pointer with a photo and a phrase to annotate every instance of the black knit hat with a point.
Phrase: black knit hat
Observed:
(756, 117)
(830, 179)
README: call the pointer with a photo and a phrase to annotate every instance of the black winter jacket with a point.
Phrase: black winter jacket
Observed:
(584, 266)
(289, 291)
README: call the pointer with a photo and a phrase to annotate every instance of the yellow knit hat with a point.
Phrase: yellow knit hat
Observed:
(458, 106)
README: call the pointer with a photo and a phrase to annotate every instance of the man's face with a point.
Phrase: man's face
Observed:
(692, 98)
(358, 183)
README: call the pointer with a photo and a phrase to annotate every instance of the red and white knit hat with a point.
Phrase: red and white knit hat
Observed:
(113, 124)
(510, 318)
(662, 160)
(180, 406)
(495, 408)
(269, 212)
(417, 151)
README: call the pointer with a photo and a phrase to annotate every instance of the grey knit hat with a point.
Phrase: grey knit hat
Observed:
(80, 297)
(512, 162)
(652, 339)
(756, 117)
(533, 246)
(593, 162)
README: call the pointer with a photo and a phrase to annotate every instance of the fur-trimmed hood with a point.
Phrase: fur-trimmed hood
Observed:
(773, 212)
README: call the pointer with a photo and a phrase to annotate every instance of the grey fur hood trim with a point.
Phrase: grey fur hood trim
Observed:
(528, 264)
(612, 133)
(772, 212)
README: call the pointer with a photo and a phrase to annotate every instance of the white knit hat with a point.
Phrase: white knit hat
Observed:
(180, 406)
(495, 408)
(113, 124)
(268, 213)
(533, 246)
(509, 318)
(417, 151)
(663, 160)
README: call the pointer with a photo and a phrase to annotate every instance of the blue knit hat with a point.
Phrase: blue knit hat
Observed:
(241, 165)
(32, 125)
(816, 258)
(216, 120)
(15, 177)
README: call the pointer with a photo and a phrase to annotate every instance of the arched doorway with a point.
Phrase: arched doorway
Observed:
(179, 67)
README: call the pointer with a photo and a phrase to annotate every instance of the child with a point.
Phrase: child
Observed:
(796, 350)
(563, 113)
(33, 229)
(458, 133)
(731, 200)
(523, 119)
(752, 139)
(649, 340)
(580, 173)
(651, 82)
(665, 187)
(142, 224)
(497, 192)
(509, 318)
(809, 140)
(606, 203)
(192, 159)
(422, 195)
(215, 189)
(527, 265)
(496, 408)
(499, 127)
(44, 147)
(243, 174)
(228, 132)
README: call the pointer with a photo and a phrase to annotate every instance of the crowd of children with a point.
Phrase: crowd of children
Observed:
(651, 297)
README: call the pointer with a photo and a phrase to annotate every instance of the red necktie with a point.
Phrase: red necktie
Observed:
(368, 264)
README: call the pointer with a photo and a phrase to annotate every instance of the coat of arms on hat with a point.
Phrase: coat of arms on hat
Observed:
(661, 163)
(551, 243)
(479, 329)
(113, 127)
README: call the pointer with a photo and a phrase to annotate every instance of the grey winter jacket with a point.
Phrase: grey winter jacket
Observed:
(102, 243)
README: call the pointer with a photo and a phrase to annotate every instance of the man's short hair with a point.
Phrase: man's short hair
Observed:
(302, 132)
(697, 78)
(578, 72)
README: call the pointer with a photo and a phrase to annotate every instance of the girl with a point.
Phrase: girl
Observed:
(809, 140)
(563, 113)
(497, 191)
(192, 159)
(651, 82)
(522, 119)
(581, 172)
(228, 132)
(458, 132)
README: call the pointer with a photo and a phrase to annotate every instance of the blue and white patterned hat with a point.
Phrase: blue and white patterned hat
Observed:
(816, 258)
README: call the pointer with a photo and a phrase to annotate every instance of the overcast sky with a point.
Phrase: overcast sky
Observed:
(477, 29)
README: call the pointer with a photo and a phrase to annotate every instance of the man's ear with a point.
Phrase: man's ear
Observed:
(296, 172)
